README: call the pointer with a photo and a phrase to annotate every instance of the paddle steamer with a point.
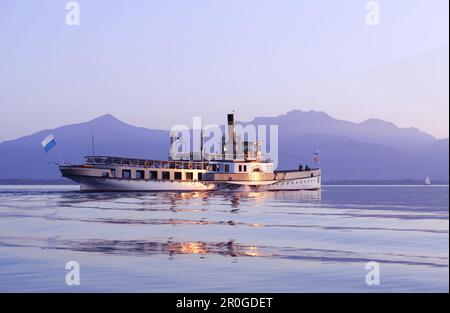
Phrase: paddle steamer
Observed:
(249, 170)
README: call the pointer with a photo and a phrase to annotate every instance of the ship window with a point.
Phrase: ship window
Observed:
(214, 167)
(227, 168)
(153, 174)
(126, 174)
(177, 175)
(165, 175)
(245, 168)
(140, 174)
(200, 176)
(189, 176)
(240, 168)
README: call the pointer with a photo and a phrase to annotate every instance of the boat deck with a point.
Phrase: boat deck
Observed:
(146, 163)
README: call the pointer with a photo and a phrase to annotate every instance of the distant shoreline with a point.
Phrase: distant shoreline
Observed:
(382, 182)
(64, 181)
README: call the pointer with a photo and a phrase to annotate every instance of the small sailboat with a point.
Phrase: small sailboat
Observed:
(427, 181)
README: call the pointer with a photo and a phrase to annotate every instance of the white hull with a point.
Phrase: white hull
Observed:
(310, 183)
(114, 184)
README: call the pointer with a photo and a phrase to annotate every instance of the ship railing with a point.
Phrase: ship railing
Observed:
(146, 163)
(230, 157)
(191, 156)
(185, 156)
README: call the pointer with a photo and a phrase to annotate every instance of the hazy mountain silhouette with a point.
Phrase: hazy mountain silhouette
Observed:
(373, 149)
(25, 158)
(297, 122)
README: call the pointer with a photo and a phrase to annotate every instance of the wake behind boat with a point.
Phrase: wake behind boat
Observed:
(233, 171)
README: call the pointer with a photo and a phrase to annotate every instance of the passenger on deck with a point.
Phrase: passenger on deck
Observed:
(300, 167)
(306, 168)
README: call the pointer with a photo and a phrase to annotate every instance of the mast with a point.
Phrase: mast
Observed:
(93, 145)
(202, 154)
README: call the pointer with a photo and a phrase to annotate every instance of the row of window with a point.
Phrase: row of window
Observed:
(216, 168)
(242, 167)
(153, 175)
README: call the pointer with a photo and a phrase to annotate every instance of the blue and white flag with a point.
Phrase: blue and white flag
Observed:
(48, 143)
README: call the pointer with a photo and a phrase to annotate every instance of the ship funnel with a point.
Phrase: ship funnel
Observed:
(231, 135)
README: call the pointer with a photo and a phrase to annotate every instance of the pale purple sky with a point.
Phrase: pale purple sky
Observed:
(158, 63)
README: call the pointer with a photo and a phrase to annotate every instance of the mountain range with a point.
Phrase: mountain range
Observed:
(371, 150)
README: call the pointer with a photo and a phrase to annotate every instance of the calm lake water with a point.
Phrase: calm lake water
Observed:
(231, 242)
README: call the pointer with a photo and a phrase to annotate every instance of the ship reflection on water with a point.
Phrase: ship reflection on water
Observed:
(177, 198)
(169, 248)
(163, 209)
(179, 202)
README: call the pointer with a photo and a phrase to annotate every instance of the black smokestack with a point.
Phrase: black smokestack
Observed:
(232, 133)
